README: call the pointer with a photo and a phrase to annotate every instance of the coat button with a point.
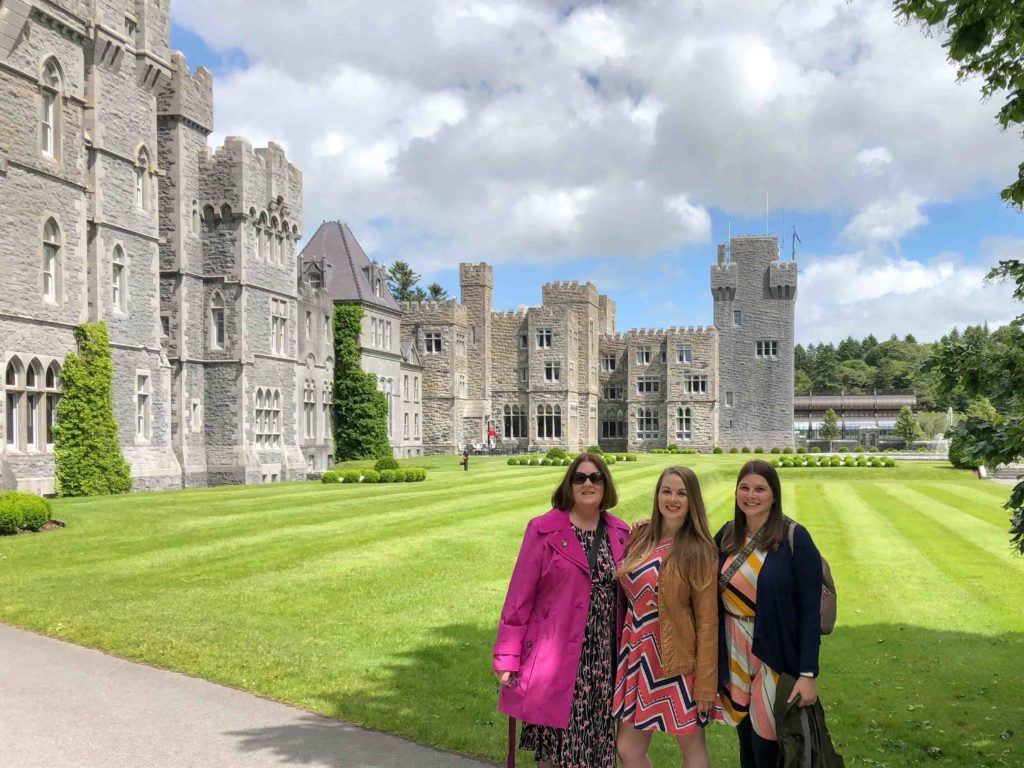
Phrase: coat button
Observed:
(565, 543)
(529, 643)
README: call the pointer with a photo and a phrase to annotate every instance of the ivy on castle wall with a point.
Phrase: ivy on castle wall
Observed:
(87, 447)
(360, 409)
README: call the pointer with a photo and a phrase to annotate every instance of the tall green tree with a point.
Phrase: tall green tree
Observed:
(86, 443)
(996, 371)
(402, 281)
(906, 426)
(855, 375)
(437, 292)
(360, 409)
(830, 427)
(983, 38)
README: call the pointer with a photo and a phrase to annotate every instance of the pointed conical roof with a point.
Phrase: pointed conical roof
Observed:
(348, 267)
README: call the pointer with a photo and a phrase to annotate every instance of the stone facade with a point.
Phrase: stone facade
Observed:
(116, 210)
(560, 375)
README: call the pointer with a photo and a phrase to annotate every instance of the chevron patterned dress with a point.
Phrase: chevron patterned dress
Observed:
(644, 696)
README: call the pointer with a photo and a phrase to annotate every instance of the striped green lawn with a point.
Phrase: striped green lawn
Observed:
(377, 604)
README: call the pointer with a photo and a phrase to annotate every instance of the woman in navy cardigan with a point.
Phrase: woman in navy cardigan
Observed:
(769, 622)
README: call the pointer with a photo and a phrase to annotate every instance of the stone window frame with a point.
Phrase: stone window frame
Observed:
(405, 388)
(51, 110)
(405, 426)
(327, 398)
(51, 247)
(309, 410)
(549, 422)
(118, 279)
(613, 424)
(766, 349)
(552, 371)
(648, 424)
(545, 338)
(267, 422)
(515, 421)
(143, 406)
(218, 322)
(613, 392)
(695, 384)
(737, 318)
(609, 361)
(279, 311)
(432, 342)
(53, 386)
(684, 354)
(14, 403)
(461, 385)
(416, 426)
(648, 385)
(415, 389)
(313, 279)
(684, 424)
(387, 334)
(262, 227)
(524, 340)
(730, 399)
(195, 417)
(142, 171)
(34, 402)
(643, 355)
(524, 374)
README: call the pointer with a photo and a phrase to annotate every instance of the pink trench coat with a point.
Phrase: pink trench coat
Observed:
(540, 634)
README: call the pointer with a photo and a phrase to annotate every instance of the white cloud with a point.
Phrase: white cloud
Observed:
(861, 293)
(514, 129)
(886, 221)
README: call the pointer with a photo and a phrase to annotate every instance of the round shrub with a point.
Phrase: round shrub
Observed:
(595, 449)
(835, 461)
(776, 449)
(415, 474)
(801, 449)
(733, 450)
(512, 461)
(859, 449)
(862, 462)
(386, 463)
(351, 476)
(371, 476)
(759, 449)
(391, 475)
(610, 459)
(716, 449)
(331, 476)
(958, 456)
(815, 449)
(844, 449)
(889, 462)
(745, 449)
(22, 510)
(555, 453)
(567, 462)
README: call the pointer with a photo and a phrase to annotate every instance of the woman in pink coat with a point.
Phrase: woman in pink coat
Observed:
(560, 627)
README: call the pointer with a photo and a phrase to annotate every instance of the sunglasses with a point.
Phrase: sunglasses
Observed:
(579, 478)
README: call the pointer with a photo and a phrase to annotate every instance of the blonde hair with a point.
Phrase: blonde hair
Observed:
(693, 552)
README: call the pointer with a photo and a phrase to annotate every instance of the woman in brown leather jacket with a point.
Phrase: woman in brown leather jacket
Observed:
(668, 660)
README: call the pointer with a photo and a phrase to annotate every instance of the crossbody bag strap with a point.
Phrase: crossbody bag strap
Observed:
(726, 576)
(595, 548)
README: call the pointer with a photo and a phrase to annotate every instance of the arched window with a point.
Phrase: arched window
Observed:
(549, 422)
(309, 409)
(143, 416)
(33, 404)
(515, 421)
(275, 420)
(262, 238)
(141, 174)
(51, 261)
(50, 102)
(118, 281)
(217, 322)
(274, 241)
(53, 387)
(259, 421)
(14, 385)
(684, 424)
(327, 399)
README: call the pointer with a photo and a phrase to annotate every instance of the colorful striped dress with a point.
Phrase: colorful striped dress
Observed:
(751, 687)
(644, 696)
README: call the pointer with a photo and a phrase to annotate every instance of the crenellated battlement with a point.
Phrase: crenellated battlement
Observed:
(446, 312)
(476, 274)
(660, 334)
(510, 314)
(186, 95)
(570, 292)
(782, 279)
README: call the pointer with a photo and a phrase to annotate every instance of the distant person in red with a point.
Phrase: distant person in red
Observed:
(492, 437)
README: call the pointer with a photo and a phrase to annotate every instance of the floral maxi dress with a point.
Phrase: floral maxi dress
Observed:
(589, 739)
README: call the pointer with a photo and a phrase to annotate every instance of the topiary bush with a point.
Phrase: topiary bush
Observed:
(745, 449)
(787, 449)
(22, 510)
(776, 449)
(392, 475)
(388, 462)
(595, 449)
(555, 453)
(859, 449)
(610, 459)
(844, 449)
(716, 449)
(371, 476)
(801, 449)
(759, 450)
(351, 476)
(331, 476)
(734, 449)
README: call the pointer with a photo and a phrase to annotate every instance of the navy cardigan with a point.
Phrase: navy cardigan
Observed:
(787, 618)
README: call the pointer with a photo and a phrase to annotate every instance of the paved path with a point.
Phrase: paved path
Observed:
(62, 706)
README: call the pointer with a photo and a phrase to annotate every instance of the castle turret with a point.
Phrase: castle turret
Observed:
(754, 297)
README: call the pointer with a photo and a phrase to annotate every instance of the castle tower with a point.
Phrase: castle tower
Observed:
(476, 284)
(754, 296)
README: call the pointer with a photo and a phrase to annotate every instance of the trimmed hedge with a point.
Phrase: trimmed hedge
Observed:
(24, 511)
(544, 461)
(400, 475)
(595, 449)
(716, 449)
(834, 461)
(388, 462)
(555, 453)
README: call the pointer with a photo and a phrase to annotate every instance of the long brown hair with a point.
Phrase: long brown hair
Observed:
(775, 527)
(562, 497)
(693, 552)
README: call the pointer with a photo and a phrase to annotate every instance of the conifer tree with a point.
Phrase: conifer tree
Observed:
(830, 427)
(86, 443)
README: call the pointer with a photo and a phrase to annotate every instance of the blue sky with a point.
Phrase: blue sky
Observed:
(594, 143)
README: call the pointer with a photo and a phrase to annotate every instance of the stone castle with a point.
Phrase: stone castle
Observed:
(117, 210)
(561, 375)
